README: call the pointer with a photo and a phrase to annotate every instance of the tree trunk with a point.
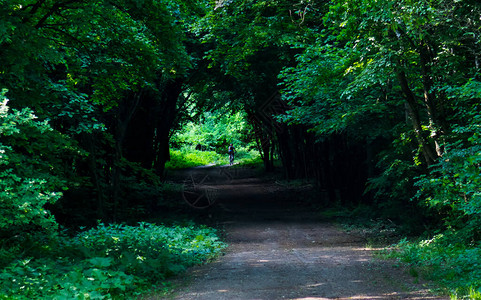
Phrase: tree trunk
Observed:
(285, 151)
(165, 120)
(433, 107)
(125, 112)
(428, 153)
(95, 177)
(263, 138)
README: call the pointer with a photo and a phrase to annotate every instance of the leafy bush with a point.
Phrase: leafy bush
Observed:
(107, 262)
(147, 244)
(63, 278)
(453, 187)
(393, 188)
(32, 170)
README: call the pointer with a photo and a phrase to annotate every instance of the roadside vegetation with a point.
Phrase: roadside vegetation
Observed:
(444, 258)
(377, 103)
(455, 267)
(105, 262)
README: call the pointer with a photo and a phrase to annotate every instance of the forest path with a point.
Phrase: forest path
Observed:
(280, 249)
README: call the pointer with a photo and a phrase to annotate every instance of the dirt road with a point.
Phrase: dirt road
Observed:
(280, 249)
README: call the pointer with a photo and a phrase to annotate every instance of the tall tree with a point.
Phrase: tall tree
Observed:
(250, 42)
(390, 71)
(90, 67)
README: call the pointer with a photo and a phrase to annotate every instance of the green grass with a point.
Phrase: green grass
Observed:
(107, 262)
(187, 158)
(455, 267)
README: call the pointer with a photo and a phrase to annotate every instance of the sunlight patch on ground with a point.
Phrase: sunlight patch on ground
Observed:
(314, 285)
(368, 249)
(353, 297)
(416, 296)
(311, 298)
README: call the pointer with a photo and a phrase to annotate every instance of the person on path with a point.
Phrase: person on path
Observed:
(231, 151)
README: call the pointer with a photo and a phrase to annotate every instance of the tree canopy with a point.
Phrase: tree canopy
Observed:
(376, 101)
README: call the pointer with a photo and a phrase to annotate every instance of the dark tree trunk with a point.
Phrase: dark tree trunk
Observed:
(97, 175)
(125, 112)
(327, 175)
(138, 144)
(285, 151)
(164, 124)
(263, 134)
(148, 136)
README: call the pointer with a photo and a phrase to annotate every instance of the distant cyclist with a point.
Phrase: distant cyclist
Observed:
(231, 151)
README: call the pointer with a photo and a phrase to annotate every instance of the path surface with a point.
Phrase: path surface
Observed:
(279, 249)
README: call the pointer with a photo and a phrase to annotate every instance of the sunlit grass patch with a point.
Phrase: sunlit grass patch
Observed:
(186, 158)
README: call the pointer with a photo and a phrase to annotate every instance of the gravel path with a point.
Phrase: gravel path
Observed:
(279, 249)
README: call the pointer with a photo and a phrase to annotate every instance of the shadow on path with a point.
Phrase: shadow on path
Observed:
(280, 249)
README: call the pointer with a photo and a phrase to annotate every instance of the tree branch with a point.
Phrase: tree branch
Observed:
(53, 10)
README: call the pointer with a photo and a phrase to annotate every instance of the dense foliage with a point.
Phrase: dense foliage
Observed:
(106, 262)
(33, 172)
(377, 101)
(109, 77)
(215, 131)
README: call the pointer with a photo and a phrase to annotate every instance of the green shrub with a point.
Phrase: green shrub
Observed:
(63, 278)
(33, 172)
(175, 246)
(107, 262)
(455, 267)
(453, 190)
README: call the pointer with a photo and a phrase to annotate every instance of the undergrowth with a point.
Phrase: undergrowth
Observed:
(362, 220)
(455, 267)
(445, 259)
(106, 262)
